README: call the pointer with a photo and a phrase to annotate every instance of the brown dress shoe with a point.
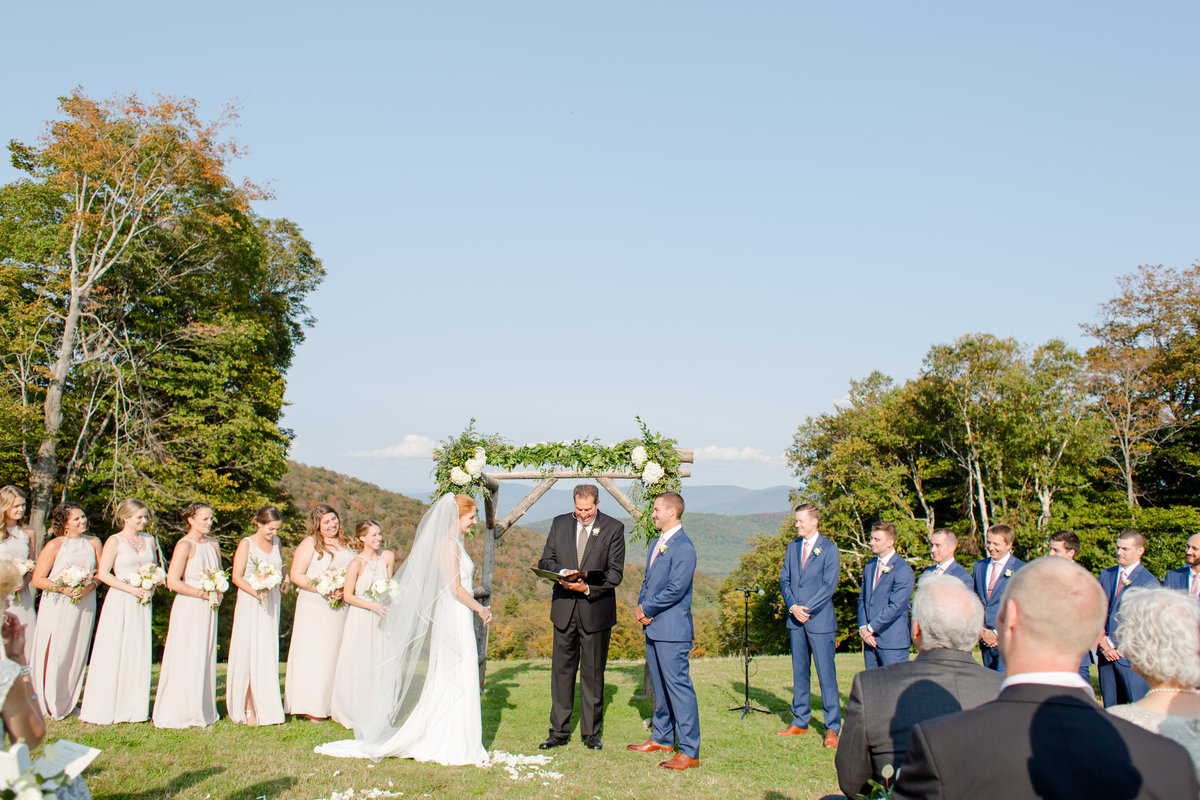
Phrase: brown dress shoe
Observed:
(649, 746)
(831, 739)
(791, 730)
(680, 761)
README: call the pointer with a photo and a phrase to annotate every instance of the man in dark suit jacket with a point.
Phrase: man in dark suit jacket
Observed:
(1187, 577)
(1044, 737)
(664, 610)
(990, 575)
(886, 703)
(883, 601)
(1118, 682)
(807, 578)
(943, 543)
(583, 612)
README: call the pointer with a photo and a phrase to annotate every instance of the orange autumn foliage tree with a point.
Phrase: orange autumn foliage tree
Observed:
(125, 177)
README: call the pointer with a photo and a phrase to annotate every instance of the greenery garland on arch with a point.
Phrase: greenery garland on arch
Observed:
(460, 461)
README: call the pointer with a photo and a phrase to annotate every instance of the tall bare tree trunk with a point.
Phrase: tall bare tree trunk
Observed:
(45, 467)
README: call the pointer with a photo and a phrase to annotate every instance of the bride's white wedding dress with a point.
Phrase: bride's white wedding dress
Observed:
(422, 698)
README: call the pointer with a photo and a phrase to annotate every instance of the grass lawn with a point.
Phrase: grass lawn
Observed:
(739, 757)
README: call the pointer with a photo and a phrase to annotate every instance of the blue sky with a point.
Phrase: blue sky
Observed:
(553, 217)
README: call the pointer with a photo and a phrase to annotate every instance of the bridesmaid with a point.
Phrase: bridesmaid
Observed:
(118, 677)
(64, 628)
(16, 544)
(362, 621)
(252, 679)
(317, 628)
(187, 680)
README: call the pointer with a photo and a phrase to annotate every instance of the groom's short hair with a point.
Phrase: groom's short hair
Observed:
(672, 500)
(588, 489)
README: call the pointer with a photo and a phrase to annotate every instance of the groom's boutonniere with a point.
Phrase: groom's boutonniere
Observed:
(662, 548)
(816, 551)
(1008, 573)
(1126, 582)
(888, 568)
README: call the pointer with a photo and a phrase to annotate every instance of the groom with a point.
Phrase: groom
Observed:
(583, 611)
(665, 612)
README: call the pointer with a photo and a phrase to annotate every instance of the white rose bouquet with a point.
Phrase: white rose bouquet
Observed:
(215, 580)
(73, 577)
(263, 577)
(329, 582)
(382, 591)
(26, 566)
(146, 578)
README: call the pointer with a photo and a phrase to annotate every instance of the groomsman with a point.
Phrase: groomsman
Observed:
(887, 588)
(1065, 544)
(1187, 577)
(990, 576)
(1118, 682)
(807, 579)
(665, 612)
(943, 544)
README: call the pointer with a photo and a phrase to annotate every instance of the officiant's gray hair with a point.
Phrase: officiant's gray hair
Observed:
(588, 489)
(949, 615)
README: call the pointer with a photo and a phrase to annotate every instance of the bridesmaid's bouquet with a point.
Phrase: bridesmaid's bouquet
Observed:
(382, 591)
(263, 577)
(25, 565)
(215, 580)
(73, 577)
(146, 578)
(329, 582)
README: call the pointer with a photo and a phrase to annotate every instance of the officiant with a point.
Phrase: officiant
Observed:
(587, 550)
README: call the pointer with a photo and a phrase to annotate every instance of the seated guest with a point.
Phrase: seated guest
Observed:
(1118, 682)
(943, 543)
(886, 703)
(1187, 577)
(1160, 635)
(1065, 544)
(1044, 736)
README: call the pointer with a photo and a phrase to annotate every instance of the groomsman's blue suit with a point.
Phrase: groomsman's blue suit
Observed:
(666, 597)
(955, 570)
(812, 587)
(1177, 578)
(885, 609)
(1118, 682)
(991, 605)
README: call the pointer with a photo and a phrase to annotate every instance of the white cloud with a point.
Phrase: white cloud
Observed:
(411, 446)
(715, 453)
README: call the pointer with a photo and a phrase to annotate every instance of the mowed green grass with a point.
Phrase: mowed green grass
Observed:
(740, 758)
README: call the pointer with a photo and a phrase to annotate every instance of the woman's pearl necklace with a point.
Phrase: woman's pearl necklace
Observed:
(1180, 690)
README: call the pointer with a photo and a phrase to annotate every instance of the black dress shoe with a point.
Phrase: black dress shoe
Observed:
(553, 741)
(593, 742)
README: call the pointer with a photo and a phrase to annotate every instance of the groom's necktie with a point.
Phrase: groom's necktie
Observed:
(991, 587)
(580, 544)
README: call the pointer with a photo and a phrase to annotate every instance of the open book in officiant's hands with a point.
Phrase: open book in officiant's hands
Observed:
(568, 577)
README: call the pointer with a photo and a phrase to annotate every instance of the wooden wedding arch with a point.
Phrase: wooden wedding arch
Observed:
(496, 528)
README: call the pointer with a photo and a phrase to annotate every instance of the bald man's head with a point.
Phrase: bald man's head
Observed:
(1059, 608)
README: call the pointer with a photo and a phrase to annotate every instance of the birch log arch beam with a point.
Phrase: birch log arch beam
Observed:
(496, 528)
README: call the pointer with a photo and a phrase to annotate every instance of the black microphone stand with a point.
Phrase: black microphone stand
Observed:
(746, 707)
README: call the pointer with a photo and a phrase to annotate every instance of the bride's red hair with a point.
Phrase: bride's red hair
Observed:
(465, 505)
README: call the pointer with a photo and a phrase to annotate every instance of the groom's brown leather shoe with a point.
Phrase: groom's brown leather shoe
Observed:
(681, 761)
(831, 739)
(791, 730)
(649, 746)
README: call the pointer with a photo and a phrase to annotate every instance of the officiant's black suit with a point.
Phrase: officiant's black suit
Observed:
(582, 623)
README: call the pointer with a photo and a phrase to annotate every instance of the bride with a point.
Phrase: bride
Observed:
(421, 697)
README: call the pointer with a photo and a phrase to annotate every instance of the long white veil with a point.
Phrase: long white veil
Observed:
(401, 665)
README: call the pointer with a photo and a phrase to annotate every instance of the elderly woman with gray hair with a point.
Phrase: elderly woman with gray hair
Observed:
(1159, 632)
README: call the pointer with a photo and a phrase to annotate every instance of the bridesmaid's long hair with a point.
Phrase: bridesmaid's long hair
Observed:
(9, 495)
(314, 528)
(10, 578)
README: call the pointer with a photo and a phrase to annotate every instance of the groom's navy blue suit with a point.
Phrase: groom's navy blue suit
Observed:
(991, 603)
(812, 586)
(666, 597)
